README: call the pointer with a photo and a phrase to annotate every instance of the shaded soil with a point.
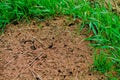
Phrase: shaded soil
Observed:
(48, 50)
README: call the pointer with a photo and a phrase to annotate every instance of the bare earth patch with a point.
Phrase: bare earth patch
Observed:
(49, 50)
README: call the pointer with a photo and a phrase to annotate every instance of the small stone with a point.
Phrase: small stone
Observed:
(50, 46)
(33, 47)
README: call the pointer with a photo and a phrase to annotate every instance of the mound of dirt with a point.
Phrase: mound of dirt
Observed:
(48, 50)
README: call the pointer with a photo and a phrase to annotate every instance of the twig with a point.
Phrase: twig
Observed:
(30, 64)
(35, 75)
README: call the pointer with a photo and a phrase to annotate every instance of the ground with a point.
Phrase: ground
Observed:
(115, 5)
(48, 50)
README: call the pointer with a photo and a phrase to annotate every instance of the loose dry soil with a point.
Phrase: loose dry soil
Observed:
(46, 50)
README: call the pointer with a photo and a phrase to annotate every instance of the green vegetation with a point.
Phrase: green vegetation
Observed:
(103, 22)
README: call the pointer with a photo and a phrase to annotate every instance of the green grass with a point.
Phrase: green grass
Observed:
(103, 22)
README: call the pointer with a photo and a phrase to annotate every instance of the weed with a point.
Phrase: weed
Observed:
(101, 62)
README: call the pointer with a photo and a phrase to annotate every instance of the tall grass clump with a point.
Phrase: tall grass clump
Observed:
(106, 28)
(16, 10)
(101, 20)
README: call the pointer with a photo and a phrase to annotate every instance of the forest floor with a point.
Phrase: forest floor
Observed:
(48, 50)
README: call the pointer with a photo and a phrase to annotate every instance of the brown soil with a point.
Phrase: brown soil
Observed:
(48, 50)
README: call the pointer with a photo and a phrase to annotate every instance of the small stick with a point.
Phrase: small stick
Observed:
(30, 64)
(35, 75)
